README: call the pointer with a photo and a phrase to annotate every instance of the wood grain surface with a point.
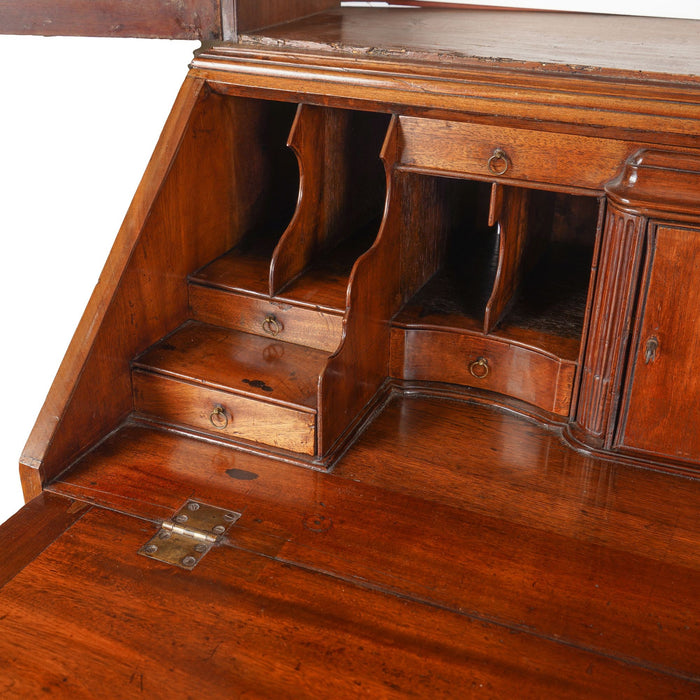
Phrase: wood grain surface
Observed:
(561, 160)
(224, 414)
(249, 365)
(542, 541)
(297, 323)
(188, 19)
(538, 41)
(260, 628)
(662, 407)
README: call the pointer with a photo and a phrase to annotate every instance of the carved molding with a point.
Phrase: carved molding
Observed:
(611, 316)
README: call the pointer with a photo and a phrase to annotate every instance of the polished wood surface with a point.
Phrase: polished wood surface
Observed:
(611, 311)
(484, 363)
(256, 627)
(560, 160)
(341, 189)
(27, 534)
(304, 325)
(428, 378)
(657, 183)
(512, 220)
(243, 363)
(224, 414)
(254, 14)
(532, 40)
(164, 238)
(92, 389)
(560, 550)
(665, 354)
(336, 67)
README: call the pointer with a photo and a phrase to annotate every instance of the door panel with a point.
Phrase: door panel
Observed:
(662, 410)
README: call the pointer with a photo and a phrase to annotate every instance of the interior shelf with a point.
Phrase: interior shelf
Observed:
(245, 268)
(324, 284)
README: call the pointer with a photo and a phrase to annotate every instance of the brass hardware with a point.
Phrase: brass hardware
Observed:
(218, 417)
(271, 325)
(650, 350)
(498, 163)
(480, 362)
(185, 546)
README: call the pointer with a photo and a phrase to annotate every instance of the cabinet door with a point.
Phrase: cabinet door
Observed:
(662, 407)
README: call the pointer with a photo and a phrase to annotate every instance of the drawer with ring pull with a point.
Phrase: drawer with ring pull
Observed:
(482, 362)
(224, 414)
(502, 153)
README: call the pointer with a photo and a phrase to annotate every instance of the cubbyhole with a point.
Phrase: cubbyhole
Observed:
(513, 263)
(454, 223)
(341, 205)
(548, 306)
(263, 188)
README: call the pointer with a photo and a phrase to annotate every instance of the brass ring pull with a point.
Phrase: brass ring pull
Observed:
(479, 369)
(218, 417)
(271, 325)
(498, 163)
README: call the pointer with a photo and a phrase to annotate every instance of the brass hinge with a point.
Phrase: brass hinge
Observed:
(189, 535)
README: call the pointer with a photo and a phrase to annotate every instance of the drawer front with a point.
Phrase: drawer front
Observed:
(500, 153)
(484, 363)
(271, 319)
(224, 414)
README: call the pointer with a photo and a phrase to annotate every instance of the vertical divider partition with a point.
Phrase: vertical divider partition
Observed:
(511, 215)
(359, 367)
(340, 186)
(409, 249)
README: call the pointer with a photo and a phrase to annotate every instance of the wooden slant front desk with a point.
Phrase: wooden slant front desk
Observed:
(391, 383)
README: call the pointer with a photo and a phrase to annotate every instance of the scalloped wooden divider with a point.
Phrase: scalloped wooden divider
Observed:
(340, 185)
(510, 209)
(383, 279)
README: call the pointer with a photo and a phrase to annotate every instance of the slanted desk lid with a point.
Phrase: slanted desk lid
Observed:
(153, 19)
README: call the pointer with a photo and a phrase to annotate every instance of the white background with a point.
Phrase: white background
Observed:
(78, 121)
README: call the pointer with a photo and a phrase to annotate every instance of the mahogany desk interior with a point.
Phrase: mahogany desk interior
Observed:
(411, 522)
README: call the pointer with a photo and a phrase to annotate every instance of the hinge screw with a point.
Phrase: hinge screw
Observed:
(150, 549)
(229, 517)
(201, 548)
(192, 506)
(182, 518)
(189, 561)
(219, 530)
(163, 535)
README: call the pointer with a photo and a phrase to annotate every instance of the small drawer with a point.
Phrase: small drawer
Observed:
(223, 413)
(484, 363)
(500, 153)
(270, 319)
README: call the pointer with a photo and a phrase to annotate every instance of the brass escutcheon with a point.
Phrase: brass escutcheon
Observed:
(479, 369)
(271, 325)
(498, 163)
(218, 417)
(651, 349)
